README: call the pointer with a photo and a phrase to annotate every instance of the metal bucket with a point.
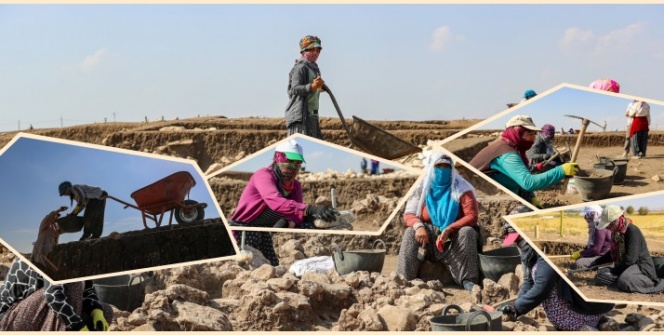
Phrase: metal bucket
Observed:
(619, 165)
(495, 263)
(596, 186)
(659, 265)
(475, 321)
(359, 260)
(125, 292)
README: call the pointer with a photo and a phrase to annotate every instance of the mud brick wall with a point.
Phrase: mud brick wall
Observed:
(141, 249)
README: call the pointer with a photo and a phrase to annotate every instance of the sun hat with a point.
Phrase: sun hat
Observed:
(292, 150)
(609, 214)
(309, 42)
(522, 120)
(590, 209)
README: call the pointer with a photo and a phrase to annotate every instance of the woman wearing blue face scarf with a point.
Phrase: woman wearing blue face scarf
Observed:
(441, 217)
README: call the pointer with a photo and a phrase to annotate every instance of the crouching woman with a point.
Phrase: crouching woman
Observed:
(441, 219)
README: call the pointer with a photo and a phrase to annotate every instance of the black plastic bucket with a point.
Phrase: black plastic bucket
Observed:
(475, 321)
(126, 292)
(595, 186)
(495, 263)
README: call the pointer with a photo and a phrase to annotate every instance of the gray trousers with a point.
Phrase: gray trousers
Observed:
(460, 257)
(631, 280)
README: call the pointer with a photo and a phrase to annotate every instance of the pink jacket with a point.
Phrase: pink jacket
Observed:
(261, 192)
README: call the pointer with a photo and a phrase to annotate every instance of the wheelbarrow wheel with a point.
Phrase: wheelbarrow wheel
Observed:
(194, 214)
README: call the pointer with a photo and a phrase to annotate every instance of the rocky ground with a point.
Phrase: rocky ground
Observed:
(643, 175)
(248, 294)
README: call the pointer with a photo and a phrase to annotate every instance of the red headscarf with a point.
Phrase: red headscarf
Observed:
(514, 137)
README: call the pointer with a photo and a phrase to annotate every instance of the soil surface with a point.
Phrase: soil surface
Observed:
(642, 175)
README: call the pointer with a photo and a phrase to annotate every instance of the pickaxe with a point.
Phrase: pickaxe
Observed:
(584, 125)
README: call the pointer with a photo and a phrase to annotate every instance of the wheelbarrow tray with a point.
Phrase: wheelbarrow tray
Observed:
(378, 142)
(164, 194)
(372, 139)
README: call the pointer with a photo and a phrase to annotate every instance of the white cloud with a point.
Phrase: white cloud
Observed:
(579, 41)
(94, 59)
(443, 38)
(574, 37)
(620, 39)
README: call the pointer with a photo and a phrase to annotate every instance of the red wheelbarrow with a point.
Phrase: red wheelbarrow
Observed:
(167, 195)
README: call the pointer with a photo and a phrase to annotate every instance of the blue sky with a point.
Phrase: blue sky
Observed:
(318, 157)
(598, 107)
(31, 170)
(85, 63)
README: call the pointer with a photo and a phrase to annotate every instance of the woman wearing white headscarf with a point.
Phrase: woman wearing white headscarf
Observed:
(599, 240)
(441, 217)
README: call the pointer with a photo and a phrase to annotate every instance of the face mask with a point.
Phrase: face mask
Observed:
(311, 56)
(442, 176)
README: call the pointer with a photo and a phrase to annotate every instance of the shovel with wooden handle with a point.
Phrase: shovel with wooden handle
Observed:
(584, 125)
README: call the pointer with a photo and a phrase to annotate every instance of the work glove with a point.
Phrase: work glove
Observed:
(98, 320)
(508, 310)
(322, 212)
(282, 223)
(84, 329)
(536, 203)
(576, 255)
(570, 169)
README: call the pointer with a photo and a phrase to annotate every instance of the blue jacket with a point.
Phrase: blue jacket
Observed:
(515, 175)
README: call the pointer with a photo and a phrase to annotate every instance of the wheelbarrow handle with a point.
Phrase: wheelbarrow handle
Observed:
(336, 106)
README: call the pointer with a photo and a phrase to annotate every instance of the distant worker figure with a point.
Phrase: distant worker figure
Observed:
(604, 84)
(374, 167)
(363, 165)
(638, 112)
(570, 131)
(542, 150)
(304, 87)
(527, 95)
(90, 198)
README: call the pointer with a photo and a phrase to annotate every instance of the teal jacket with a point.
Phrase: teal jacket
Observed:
(514, 175)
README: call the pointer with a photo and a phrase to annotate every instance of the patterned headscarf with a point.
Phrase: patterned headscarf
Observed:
(618, 248)
(514, 137)
(549, 131)
(286, 171)
(441, 198)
